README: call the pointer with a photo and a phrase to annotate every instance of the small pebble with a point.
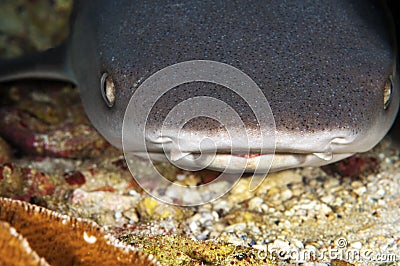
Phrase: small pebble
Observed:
(356, 245)
(360, 190)
(255, 204)
(286, 194)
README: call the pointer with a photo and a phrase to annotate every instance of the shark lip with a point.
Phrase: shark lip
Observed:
(263, 163)
(291, 150)
(247, 163)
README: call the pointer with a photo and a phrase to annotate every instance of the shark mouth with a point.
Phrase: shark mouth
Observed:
(245, 163)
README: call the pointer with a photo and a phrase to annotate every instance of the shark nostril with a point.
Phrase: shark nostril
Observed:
(387, 92)
(107, 89)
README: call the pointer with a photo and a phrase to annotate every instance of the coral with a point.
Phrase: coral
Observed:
(60, 239)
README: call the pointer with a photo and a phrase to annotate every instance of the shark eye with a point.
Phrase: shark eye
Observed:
(107, 89)
(387, 92)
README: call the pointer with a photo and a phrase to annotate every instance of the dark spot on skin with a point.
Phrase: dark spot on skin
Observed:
(321, 65)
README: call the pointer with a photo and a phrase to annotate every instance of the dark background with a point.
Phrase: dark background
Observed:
(394, 6)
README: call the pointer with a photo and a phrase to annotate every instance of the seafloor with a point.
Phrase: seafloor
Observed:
(51, 156)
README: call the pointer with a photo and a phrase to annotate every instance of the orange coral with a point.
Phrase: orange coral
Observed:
(59, 239)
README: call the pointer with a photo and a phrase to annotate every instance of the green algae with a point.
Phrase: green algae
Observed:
(179, 250)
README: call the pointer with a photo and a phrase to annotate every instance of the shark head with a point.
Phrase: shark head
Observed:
(325, 71)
